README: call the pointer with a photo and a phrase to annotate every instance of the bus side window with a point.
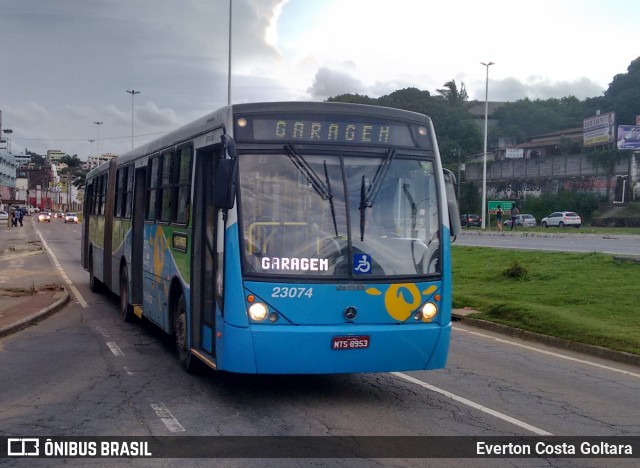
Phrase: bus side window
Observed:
(181, 185)
(165, 187)
(152, 191)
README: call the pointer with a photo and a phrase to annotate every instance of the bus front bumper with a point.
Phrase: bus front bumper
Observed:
(266, 349)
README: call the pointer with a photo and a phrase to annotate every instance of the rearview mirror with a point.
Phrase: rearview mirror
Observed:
(454, 215)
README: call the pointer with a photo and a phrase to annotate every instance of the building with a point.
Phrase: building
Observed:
(8, 168)
(54, 156)
(568, 141)
(23, 159)
(95, 161)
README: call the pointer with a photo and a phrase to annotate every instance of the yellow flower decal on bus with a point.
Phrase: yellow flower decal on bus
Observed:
(159, 244)
(402, 299)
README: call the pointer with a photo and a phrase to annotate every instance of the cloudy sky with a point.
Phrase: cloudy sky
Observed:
(68, 63)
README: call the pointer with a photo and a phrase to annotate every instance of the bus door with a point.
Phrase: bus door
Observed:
(86, 222)
(205, 264)
(137, 237)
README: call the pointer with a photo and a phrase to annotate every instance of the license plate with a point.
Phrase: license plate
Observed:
(340, 343)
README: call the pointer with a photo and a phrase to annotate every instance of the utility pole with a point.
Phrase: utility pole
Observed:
(133, 92)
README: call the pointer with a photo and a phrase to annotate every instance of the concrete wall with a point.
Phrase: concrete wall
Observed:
(520, 178)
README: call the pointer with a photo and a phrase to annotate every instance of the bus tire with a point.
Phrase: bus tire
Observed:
(95, 285)
(126, 310)
(187, 360)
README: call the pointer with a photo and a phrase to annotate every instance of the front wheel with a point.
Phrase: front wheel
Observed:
(561, 225)
(187, 360)
(544, 224)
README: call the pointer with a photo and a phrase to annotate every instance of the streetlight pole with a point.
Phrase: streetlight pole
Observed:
(133, 92)
(484, 159)
(98, 139)
(229, 66)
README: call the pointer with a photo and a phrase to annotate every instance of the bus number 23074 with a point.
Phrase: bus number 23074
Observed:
(292, 293)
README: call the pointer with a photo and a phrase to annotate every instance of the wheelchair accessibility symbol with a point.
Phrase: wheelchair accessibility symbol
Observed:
(362, 264)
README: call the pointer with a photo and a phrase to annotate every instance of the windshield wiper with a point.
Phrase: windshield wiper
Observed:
(311, 176)
(314, 179)
(379, 176)
(369, 196)
(363, 209)
(333, 209)
(414, 209)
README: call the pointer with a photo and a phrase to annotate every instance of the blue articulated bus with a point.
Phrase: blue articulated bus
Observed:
(282, 238)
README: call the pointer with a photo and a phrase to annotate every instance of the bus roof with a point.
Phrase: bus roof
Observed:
(224, 115)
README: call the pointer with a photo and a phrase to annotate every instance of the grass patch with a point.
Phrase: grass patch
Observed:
(588, 298)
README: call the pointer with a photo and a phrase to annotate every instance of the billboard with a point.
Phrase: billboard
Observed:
(599, 129)
(629, 137)
(514, 153)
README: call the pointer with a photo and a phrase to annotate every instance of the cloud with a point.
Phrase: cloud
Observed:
(329, 82)
(535, 87)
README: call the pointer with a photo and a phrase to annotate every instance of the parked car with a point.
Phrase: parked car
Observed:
(44, 216)
(468, 220)
(58, 214)
(561, 219)
(70, 218)
(522, 220)
(4, 215)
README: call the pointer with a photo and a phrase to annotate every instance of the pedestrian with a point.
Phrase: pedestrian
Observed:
(20, 216)
(514, 213)
(499, 217)
(14, 218)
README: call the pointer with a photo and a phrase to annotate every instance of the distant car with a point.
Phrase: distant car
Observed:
(468, 220)
(522, 220)
(4, 215)
(70, 218)
(44, 216)
(561, 219)
(58, 214)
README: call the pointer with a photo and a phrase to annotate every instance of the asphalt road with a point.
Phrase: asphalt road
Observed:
(83, 372)
(553, 241)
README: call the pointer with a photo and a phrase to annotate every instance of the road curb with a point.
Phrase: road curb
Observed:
(34, 318)
(592, 350)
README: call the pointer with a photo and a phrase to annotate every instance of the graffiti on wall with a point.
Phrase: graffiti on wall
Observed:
(517, 189)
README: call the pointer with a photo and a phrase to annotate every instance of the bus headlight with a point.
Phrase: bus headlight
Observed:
(258, 311)
(427, 313)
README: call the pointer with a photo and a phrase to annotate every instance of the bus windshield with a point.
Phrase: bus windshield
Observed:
(348, 216)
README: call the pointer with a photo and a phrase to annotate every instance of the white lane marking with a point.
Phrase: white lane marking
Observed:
(115, 349)
(549, 353)
(103, 332)
(167, 418)
(475, 405)
(62, 273)
(128, 371)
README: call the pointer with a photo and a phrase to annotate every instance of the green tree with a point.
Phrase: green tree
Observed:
(452, 95)
(455, 127)
(73, 162)
(623, 95)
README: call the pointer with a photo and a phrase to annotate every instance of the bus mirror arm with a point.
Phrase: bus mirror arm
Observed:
(229, 145)
(225, 183)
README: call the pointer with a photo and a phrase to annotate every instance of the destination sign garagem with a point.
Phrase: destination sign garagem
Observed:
(334, 131)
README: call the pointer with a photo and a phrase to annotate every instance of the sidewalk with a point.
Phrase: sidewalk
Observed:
(30, 286)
